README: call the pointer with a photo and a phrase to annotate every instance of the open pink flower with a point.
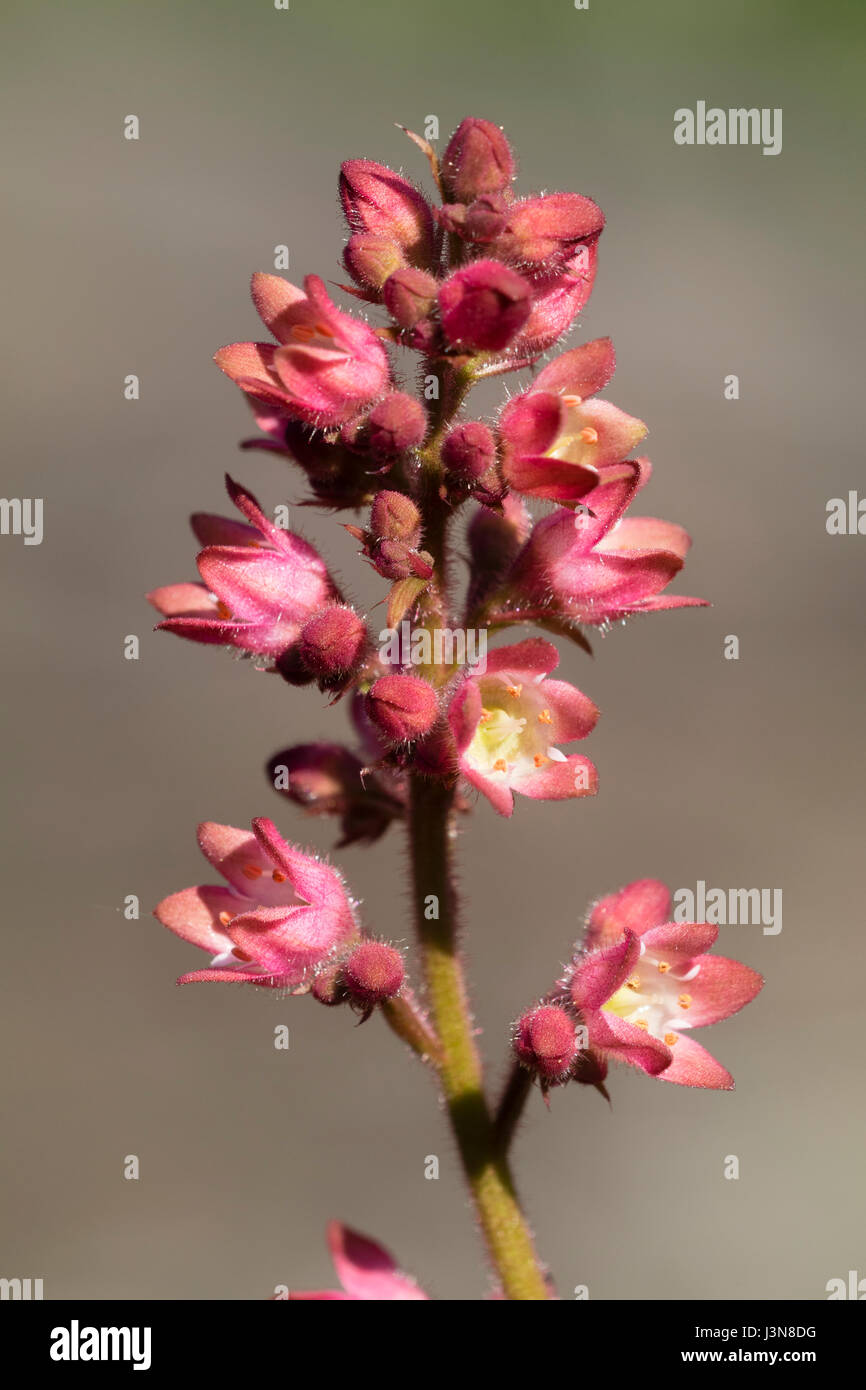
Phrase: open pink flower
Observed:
(643, 979)
(281, 916)
(556, 438)
(508, 721)
(365, 1269)
(326, 366)
(260, 583)
(596, 565)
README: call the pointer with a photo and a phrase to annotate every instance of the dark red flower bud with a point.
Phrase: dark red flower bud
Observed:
(477, 160)
(410, 296)
(545, 1042)
(332, 642)
(403, 707)
(394, 517)
(469, 451)
(373, 973)
(484, 306)
(328, 779)
(397, 423)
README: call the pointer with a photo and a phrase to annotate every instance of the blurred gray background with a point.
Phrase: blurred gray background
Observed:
(130, 257)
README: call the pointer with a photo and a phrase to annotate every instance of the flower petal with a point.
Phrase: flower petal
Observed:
(692, 1065)
(599, 974)
(581, 372)
(721, 987)
(194, 914)
(636, 908)
(365, 1268)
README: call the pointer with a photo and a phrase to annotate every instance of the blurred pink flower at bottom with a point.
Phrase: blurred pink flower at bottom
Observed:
(365, 1269)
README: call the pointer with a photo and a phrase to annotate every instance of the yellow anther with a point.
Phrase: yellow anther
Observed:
(663, 967)
(633, 983)
(515, 691)
(572, 400)
(500, 765)
(641, 1023)
(684, 1001)
(589, 435)
(225, 918)
(545, 717)
(670, 1039)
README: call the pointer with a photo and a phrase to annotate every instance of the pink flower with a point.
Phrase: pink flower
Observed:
(558, 298)
(280, 918)
(596, 565)
(327, 366)
(555, 438)
(366, 1271)
(260, 584)
(644, 979)
(507, 722)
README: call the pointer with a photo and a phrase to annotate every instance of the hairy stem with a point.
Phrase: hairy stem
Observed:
(404, 1016)
(510, 1107)
(502, 1222)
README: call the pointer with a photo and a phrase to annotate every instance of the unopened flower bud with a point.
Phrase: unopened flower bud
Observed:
(548, 230)
(469, 451)
(394, 517)
(332, 642)
(373, 973)
(403, 707)
(397, 560)
(410, 296)
(396, 424)
(327, 779)
(545, 1042)
(328, 986)
(371, 259)
(484, 306)
(377, 200)
(477, 160)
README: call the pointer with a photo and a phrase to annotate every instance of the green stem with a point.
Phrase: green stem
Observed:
(506, 1233)
(405, 1018)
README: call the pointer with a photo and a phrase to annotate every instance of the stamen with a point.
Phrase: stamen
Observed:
(663, 967)
(670, 1039)
(641, 1023)
(251, 871)
(500, 765)
(225, 918)
(540, 760)
(589, 435)
(633, 983)
(484, 716)
(239, 954)
(572, 400)
(222, 611)
(684, 1001)
(545, 717)
(278, 877)
(515, 691)
(303, 331)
